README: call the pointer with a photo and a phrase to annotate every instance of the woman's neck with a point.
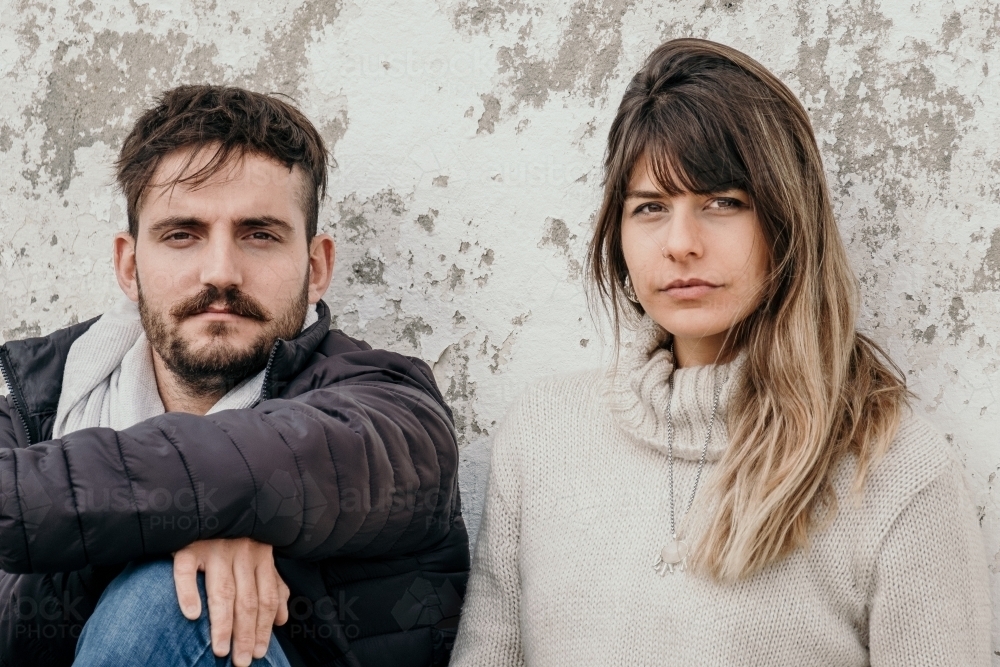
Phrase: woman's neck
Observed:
(701, 351)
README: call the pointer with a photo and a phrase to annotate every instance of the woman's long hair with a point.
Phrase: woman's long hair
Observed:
(708, 118)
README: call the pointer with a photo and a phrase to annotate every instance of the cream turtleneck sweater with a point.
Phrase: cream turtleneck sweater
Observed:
(577, 511)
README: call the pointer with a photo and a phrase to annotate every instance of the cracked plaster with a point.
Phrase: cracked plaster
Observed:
(467, 140)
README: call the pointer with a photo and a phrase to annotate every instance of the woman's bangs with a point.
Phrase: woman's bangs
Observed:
(690, 151)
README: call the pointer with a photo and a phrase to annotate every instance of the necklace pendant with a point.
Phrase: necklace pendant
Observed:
(672, 556)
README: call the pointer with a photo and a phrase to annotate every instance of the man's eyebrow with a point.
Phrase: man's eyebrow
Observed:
(265, 222)
(176, 222)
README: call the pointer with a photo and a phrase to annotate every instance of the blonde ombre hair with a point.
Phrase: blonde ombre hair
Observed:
(708, 118)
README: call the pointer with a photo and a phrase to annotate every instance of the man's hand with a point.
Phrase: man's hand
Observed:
(245, 594)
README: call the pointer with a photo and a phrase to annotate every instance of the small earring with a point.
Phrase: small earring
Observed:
(629, 291)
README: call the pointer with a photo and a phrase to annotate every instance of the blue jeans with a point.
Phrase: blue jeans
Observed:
(139, 622)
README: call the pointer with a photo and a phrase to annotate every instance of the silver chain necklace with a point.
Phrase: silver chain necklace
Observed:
(674, 554)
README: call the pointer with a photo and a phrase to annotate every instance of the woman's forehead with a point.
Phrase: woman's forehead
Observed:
(664, 174)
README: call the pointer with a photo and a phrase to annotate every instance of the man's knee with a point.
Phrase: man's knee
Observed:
(138, 616)
(143, 588)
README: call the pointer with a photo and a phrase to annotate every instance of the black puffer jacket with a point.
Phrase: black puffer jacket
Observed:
(347, 466)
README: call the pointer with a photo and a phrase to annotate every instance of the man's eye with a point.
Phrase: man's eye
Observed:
(178, 236)
(262, 236)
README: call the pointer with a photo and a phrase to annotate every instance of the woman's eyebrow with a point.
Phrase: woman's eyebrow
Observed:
(644, 194)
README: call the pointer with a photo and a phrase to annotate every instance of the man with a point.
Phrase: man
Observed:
(209, 455)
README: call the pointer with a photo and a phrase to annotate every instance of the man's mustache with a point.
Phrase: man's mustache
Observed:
(232, 299)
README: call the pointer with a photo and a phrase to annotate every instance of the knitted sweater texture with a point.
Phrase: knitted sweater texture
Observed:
(577, 511)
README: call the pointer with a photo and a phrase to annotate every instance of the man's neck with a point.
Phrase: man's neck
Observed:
(175, 395)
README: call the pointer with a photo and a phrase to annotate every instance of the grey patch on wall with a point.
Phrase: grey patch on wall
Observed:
(23, 330)
(82, 101)
(987, 277)
(920, 133)
(926, 335)
(500, 355)
(367, 233)
(451, 371)
(6, 138)
(557, 235)
(588, 52)
(426, 220)
(363, 227)
(368, 271)
(484, 15)
(333, 131)
(959, 316)
(287, 45)
(491, 114)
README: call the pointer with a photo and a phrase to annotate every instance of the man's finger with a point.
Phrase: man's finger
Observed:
(247, 604)
(221, 589)
(269, 598)
(282, 616)
(186, 583)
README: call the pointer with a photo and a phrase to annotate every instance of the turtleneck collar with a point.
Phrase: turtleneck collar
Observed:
(637, 389)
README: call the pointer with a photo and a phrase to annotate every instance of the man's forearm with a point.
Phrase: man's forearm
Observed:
(372, 471)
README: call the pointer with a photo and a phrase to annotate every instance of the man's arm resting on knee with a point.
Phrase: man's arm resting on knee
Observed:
(365, 466)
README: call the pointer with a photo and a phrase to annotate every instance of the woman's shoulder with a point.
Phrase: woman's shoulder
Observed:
(554, 404)
(918, 454)
(918, 458)
(562, 390)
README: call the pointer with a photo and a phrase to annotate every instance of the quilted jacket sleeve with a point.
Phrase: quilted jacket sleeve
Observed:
(361, 462)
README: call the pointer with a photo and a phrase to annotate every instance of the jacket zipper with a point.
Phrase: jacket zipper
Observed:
(15, 392)
(264, 393)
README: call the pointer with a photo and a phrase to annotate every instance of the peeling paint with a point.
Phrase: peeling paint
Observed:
(467, 140)
(987, 276)
(557, 235)
(491, 114)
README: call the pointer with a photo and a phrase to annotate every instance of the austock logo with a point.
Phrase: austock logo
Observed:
(425, 604)
(49, 617)
(284, 496)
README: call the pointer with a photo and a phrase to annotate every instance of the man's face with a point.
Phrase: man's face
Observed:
(221, 269)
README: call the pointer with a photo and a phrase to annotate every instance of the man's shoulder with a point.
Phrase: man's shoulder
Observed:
(34, 366)
(340, 358)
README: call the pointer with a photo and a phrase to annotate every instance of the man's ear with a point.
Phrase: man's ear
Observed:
(322, 255)
(125, 268)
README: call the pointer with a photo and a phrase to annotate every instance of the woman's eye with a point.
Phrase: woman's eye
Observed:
(727, 203)
(649, 207)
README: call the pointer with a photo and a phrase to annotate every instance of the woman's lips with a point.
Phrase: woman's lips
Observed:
(689, 289)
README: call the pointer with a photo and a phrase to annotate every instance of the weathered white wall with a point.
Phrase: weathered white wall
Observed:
(468, 139)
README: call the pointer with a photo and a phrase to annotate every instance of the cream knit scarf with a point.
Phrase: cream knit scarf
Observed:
(109, 378)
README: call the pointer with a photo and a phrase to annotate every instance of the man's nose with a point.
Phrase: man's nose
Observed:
(221, 265)
(682, 236)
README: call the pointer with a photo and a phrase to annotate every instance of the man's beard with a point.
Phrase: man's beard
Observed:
(220, 366)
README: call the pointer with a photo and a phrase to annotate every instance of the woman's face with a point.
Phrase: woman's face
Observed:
(698, 263)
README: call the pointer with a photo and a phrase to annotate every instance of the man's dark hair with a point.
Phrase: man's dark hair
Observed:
(239, 122)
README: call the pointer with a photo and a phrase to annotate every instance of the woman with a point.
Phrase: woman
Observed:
(747, 485)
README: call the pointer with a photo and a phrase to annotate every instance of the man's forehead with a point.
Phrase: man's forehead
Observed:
(199, 171)
(200, 166)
